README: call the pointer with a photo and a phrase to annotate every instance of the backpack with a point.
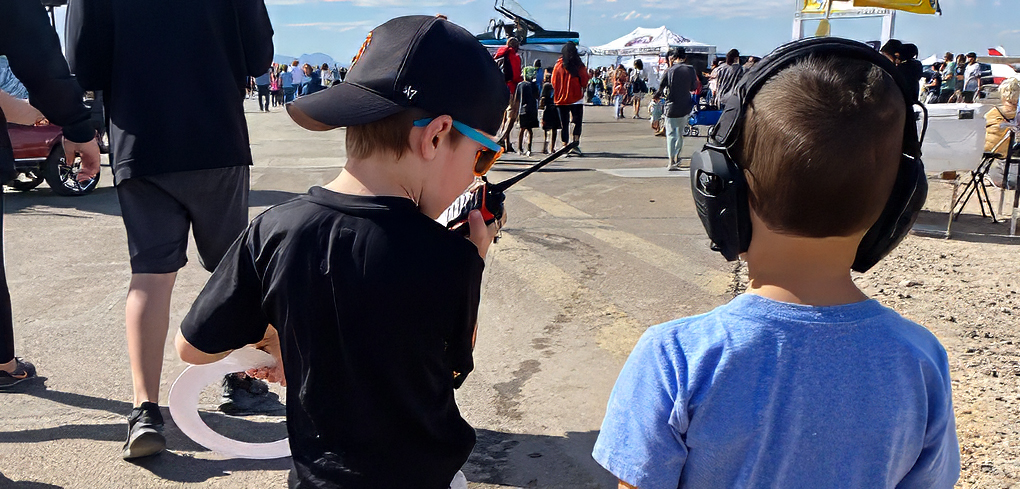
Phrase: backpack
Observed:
(506, 66)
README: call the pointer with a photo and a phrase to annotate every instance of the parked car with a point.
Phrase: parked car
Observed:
(39, 155)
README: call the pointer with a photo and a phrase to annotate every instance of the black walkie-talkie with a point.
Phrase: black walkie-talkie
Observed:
(488, 198)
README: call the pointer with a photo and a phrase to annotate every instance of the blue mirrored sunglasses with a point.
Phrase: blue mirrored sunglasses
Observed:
(485, 158)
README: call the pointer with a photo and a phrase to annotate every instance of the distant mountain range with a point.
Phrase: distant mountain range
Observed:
(314, 59)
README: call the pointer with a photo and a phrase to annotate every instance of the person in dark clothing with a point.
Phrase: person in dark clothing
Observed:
(910, 66)
(676, 87)
(173, 169)
(550, 116)
(33, 51)
(262, 83)
(527, 115)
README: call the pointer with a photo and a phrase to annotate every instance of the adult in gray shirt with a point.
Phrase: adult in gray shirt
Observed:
(676, 86)
(729, 75)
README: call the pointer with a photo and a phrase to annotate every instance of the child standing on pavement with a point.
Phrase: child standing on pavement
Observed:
(803, 381)
(369, 304)
(550, 116)
(527, 115)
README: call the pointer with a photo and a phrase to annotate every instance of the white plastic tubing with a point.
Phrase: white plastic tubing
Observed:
(183, 403)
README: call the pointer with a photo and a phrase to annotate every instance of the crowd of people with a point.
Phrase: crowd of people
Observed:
(560, 98)
(282, 83)
(836, 378)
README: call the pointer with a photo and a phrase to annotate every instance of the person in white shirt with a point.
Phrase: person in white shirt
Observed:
(971, 79)
(297, 77)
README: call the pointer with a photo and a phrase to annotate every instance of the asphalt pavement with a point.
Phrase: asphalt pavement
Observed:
(596, 249)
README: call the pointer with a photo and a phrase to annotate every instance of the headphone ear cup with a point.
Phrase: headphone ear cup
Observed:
(908, 196)
(720, 198)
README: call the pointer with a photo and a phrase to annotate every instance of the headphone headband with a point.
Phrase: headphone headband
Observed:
(717, 181)
(726, 133)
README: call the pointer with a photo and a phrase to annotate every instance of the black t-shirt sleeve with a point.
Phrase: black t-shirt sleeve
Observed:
(459, 349)
(228, 312)
(256, 35)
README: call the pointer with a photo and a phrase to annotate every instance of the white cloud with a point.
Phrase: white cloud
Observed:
(336, 26)
(722, 8)
(633, 14)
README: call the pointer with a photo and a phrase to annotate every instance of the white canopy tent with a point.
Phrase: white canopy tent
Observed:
(646, 42)
(651, 46)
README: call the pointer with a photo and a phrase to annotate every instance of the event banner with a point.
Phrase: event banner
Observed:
(819, 6)
(915, 6)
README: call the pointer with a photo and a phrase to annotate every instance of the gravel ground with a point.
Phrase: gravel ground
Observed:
(966, 290)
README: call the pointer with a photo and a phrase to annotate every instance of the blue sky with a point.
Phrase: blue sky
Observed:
(338, 27)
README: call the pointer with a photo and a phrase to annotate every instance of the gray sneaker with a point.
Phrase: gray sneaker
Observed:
(22, 371)
(145, 432)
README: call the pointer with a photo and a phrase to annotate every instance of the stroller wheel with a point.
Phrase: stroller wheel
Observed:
(687, 130)
(695, 131)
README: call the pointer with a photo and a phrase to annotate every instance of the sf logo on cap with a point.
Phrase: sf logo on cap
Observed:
(361, 51)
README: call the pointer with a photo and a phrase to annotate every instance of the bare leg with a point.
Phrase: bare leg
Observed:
(148, 318)
(520, 140)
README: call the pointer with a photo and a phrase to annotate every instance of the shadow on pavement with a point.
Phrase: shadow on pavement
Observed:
(102, 201)
(187, 469)
(624, 156)
(968, 227)
(5, 482)
(37, 388)
(524, 460)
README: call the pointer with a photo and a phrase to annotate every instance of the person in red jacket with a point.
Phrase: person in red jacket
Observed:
(569, 78)
(510, 62)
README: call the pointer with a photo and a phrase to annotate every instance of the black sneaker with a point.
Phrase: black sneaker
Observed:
(22, 372)
(145, 432)
(244, 395)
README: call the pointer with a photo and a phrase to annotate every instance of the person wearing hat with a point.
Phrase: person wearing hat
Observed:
(367, 302)
(676, 87)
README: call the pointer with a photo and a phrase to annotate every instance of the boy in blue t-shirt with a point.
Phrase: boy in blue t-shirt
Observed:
(803, 381)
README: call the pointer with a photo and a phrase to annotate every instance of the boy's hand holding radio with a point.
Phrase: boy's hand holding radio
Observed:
(482, 234)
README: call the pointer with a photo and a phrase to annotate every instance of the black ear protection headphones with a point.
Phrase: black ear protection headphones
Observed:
(721, 192)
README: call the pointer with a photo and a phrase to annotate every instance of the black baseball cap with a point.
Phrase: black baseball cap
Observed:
(416, 61)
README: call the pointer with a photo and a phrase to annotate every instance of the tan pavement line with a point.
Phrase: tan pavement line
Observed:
(711, 281)
(617, 331)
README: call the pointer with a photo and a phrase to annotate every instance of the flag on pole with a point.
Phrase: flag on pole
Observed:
(915, 6)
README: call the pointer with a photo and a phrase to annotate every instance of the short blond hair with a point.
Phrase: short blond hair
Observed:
(1009, 90)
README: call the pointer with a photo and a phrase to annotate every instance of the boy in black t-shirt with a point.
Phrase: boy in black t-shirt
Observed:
(367, 302)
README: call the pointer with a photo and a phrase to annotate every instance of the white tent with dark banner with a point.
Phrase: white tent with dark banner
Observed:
(647, 42)
(651, 46)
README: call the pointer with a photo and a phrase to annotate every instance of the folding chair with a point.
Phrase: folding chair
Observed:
(977, 183)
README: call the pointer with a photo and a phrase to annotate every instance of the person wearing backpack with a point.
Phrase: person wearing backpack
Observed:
(510, 62)
(639, 87)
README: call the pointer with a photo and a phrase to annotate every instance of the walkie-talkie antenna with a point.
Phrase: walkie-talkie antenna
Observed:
(505, 184)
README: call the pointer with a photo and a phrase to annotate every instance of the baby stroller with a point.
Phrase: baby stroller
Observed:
(702, 115)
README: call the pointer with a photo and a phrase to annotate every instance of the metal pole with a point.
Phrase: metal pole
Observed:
(570, 12)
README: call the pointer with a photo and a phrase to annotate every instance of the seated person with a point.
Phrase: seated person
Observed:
(996, 127)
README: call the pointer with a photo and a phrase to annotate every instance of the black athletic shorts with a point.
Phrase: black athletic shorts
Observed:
(159, 209)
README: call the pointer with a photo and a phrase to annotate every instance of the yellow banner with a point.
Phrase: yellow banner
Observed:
(819, 6)
(915, 6)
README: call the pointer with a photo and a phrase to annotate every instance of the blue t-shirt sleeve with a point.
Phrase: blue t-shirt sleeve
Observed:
(938, 464)
(640, 441)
